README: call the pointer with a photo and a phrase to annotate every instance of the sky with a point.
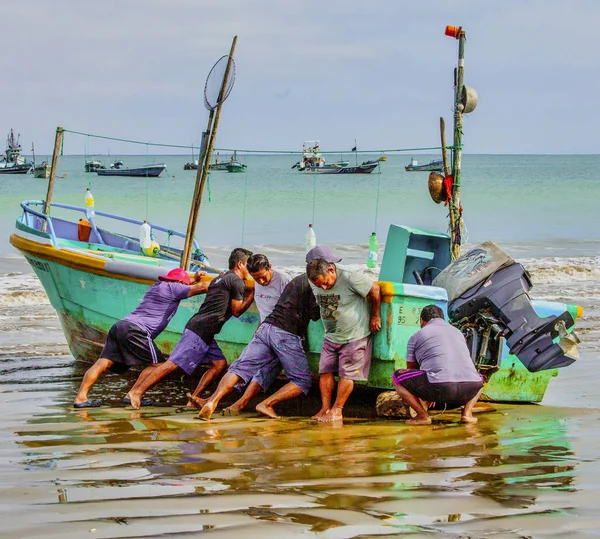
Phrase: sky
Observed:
(376, 71)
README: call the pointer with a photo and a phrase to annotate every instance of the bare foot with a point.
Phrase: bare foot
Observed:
(419, 421)
(195, 402)
(207, 411)
(333, 416)
(468, 419)
(320, 414)
(266, 410)
(230, 411)
(136, 401)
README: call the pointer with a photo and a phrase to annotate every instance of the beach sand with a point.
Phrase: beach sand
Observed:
(521, 471)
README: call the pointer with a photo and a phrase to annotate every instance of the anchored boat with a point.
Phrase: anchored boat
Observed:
(12, 161)
(145, 171)
(436, 165)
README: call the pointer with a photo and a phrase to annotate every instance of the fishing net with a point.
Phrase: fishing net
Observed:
(214, 82)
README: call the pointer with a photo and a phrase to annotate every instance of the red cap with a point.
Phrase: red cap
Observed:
(176, 274)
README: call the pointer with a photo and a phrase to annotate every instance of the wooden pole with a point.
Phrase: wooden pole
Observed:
(444, 152)
(205, 162)
(57, 143)
(457, 147)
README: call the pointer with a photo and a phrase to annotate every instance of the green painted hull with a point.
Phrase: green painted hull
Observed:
(89, 303)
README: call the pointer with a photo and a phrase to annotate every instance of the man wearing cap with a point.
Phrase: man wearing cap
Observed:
(131, 340)
(226, 296)
(349, 304)
(277, 343)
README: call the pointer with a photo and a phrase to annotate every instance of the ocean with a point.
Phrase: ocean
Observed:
(521, 471)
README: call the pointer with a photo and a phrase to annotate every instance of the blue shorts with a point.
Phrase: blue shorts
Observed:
(192, 351)
(270, 347)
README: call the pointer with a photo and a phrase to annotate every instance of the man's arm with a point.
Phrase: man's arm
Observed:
(196, 285)
(374, 298)
(240, 306)
(411, 360)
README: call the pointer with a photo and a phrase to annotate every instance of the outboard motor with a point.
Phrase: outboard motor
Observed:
(488, 301)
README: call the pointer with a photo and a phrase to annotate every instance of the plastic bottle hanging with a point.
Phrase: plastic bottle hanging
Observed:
(311, 238)
(89, 203)
(373, 251)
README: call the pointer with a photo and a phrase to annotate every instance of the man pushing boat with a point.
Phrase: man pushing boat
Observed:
(131, 340)
(349, 303)
(277, 343)
(226, 296)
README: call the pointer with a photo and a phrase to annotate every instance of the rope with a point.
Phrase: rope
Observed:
(146, 182)
(314, 197)
(377, 203)
(244, 209)
(249, 151)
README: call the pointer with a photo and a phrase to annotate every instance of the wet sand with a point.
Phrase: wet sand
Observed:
(522, 471)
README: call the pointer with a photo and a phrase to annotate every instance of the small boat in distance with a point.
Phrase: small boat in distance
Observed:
(42, 170)
(236, 167)
(12, 161)
(146, 171)
(437, 165)
(92, 165)
(228, 165)
(192, 165)
(313, 161)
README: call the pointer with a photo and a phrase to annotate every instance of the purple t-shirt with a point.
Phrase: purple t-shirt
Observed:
(441, 351)
(158, 306)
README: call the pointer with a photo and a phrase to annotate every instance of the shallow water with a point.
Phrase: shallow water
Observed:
(522, 471)
(110, 472)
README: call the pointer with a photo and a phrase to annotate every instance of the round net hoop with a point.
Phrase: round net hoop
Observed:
(214, 82)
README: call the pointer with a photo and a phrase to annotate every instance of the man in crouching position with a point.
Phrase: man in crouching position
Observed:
(439, 369)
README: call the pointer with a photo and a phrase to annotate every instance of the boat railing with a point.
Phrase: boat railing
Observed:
(28, 212)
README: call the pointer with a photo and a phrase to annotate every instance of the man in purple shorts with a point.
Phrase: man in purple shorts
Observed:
(131, 340)
(349, 304)
(277, 342)
(439, 369)
(197, 346)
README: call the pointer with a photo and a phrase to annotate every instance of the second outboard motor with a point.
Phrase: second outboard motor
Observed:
(488, 298)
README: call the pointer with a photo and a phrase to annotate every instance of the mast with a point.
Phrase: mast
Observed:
(57, 143)
(465, 100)
(208, 141)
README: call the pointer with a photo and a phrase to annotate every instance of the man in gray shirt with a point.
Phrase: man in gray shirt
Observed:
(439, 369)
(349, 302)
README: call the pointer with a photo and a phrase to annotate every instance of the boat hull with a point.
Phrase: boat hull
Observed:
(151, 171)
(42, 171)
(90, 296)
(16, 169)
(365, 168)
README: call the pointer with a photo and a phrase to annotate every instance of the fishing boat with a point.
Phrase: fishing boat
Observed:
(236, 167)
(42, 170)
(313, 160)
(92, 165)
(94, 276)
(437, 165)
(12, 161)
(229, 165)
(118, 169)
(192, 165)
